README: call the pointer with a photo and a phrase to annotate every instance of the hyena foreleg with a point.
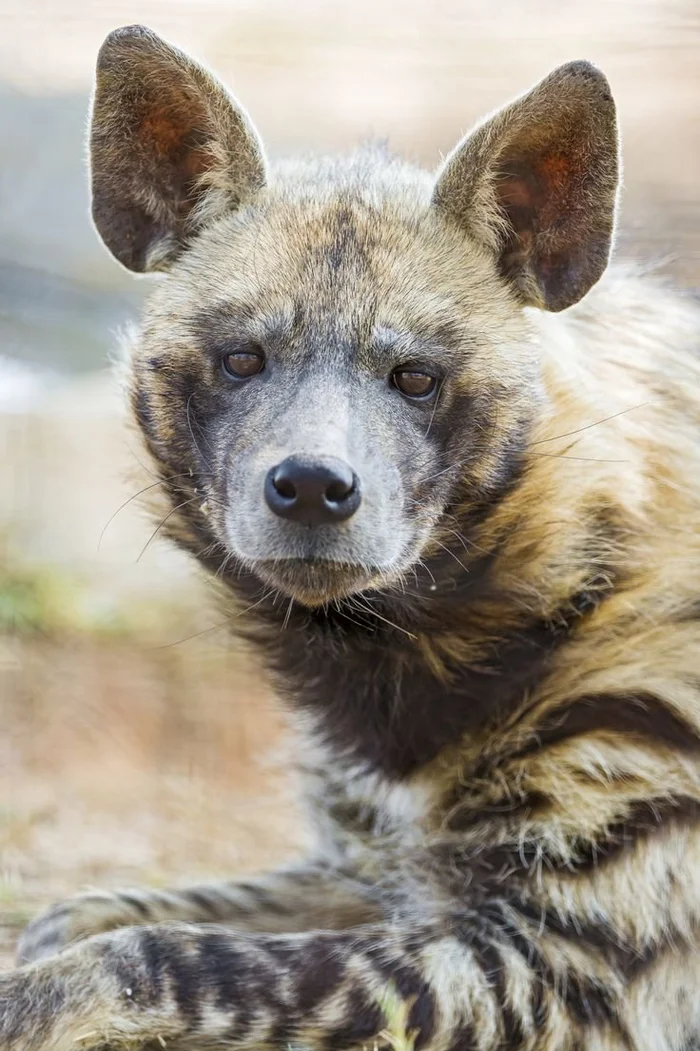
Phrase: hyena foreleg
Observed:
(294, 899)
(454, 985)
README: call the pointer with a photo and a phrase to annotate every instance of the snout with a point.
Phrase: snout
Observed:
(318, 525)
(313, 491)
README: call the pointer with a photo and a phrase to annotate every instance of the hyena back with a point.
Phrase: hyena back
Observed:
(462, 530)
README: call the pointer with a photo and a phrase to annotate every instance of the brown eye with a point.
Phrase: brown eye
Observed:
(414, 384)
(242, 364)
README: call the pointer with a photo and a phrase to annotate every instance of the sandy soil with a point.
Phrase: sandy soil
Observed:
(121, 765)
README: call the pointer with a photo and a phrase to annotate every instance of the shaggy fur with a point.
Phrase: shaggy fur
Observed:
(494, 665)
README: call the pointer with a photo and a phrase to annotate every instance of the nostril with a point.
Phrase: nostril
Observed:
(340, 490)
(284, 486)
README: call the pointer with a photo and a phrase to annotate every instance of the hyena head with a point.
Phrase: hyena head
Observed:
(339, 356)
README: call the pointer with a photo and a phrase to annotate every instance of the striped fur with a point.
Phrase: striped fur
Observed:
(500, 739)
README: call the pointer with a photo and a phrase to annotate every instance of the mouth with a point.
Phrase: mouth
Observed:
(315, 582)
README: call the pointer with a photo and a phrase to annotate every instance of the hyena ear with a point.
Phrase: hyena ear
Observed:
(537, 183)
(170, 149)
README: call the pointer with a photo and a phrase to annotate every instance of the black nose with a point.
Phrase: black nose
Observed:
(312, 492)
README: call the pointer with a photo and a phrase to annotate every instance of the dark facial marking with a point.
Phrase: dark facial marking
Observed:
(345, 248)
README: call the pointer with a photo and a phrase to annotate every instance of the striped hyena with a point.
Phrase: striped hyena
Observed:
(462, 529)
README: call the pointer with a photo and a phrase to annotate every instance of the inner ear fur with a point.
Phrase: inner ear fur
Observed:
(537, 183)
(170, 149)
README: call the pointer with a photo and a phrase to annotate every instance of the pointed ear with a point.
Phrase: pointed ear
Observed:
(537, 183)
(170, 149)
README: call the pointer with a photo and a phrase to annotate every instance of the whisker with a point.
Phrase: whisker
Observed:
(121, 507)
(373, 612)
(463, 540)
(196, 635)
(217, 627)
(342, 611)
(439, 474)
(288, 614)
(160, 525)
(588, 426)
(222, 568)
(585, 459)
(146, 488)
(432, 415)
(140, 462)
(445, 548)
(189, 424)
(427, 569)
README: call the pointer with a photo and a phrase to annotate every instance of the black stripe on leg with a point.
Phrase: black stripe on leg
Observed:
(413, 989)
(235, 980)
(168, 962)
(365, 1021)
(496, 926)
(629, 961)
(493, 966)
(187, 985)
(464, 1039)
(588, 1000)
(642, 820)
(263, 898)
(146, 981)
(134, 903)
(321, 969)
(208, 906)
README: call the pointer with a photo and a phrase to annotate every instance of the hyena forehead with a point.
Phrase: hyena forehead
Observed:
(361, 224)
(348, 245)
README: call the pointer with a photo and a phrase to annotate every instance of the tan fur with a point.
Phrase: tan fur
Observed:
(530, 882)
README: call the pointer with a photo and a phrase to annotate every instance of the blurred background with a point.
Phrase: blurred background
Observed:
(137, 744)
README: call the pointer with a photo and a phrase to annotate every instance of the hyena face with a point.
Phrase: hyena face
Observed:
(326, 385)
(340, 354)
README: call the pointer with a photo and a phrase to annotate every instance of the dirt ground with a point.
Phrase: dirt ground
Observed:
(121, 766)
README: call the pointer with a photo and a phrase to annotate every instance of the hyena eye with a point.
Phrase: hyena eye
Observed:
(242, 364)
(413, 383)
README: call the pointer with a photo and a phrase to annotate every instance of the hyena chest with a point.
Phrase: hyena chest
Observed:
(367, 810)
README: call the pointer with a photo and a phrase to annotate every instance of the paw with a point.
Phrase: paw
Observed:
(73, 1002)
(30, 1002)
(14, 1010)
(103, 993)
(71, 921)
